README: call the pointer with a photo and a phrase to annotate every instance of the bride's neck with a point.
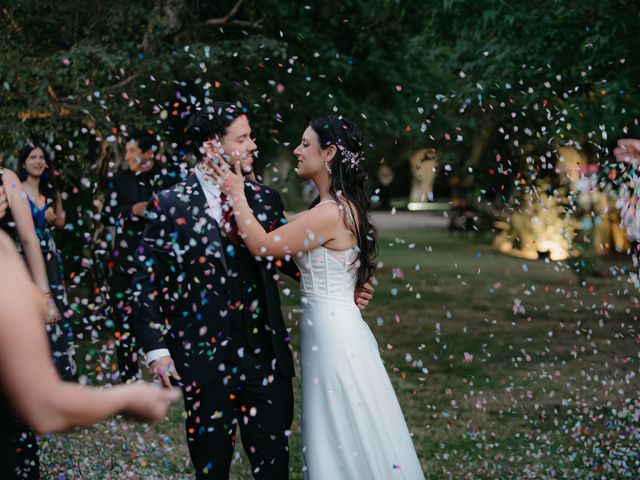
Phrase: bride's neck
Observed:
(322, 184)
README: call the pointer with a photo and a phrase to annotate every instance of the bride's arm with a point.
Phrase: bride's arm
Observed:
(309, 230)
(286, 265)
(290, 217)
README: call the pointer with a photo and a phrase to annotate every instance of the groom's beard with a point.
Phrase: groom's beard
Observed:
(248, 170)
(245, 169)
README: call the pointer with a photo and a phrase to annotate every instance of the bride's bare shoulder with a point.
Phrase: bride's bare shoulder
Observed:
(339, 209)
(328, 208)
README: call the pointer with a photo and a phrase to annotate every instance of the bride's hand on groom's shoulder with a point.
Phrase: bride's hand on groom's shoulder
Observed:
(363, 295)
(164, 369)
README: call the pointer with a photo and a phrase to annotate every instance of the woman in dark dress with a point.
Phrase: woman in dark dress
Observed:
(39, 183)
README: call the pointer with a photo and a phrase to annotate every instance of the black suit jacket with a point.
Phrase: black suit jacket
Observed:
(126, 189)
(181, 289)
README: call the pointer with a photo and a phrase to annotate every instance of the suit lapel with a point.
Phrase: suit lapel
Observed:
(204, 223)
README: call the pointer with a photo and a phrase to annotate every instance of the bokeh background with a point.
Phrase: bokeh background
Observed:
(506, 304)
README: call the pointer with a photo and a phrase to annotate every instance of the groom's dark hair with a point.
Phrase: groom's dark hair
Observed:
(208, 122)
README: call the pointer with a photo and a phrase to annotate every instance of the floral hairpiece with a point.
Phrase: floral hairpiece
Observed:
(349, 156)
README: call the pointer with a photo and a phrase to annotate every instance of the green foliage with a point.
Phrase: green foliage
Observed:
(544, 73)
(472, 79)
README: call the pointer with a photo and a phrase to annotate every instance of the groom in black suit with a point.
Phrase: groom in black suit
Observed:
(208, 313)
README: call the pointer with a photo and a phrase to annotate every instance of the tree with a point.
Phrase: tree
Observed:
(487, 84)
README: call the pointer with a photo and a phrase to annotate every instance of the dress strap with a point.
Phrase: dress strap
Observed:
(326, 201)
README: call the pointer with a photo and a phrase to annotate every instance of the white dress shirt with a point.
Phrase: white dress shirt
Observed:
(212, 194)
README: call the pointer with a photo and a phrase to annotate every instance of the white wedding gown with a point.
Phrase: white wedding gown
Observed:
(352, 425)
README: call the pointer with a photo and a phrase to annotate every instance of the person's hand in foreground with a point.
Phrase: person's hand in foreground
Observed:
(27, 377)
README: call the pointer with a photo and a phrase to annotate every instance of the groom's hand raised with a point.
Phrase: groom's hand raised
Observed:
(164, 369)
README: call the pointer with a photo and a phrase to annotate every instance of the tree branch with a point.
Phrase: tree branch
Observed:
(230, 21)
(122, 83)
(236, 23)
(235, 9)
(17, 29)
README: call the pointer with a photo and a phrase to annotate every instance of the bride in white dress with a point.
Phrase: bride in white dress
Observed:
(352, 424)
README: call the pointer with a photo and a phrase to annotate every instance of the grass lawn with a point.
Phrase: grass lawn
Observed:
(504, 368)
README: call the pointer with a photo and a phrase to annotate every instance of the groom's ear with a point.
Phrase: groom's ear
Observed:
(213, 148)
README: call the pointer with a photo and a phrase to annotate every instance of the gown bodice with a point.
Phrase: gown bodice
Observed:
(328, 273)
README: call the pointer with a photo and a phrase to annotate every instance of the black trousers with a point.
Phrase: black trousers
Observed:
(126, 349)
(18, 451)
(249, 394)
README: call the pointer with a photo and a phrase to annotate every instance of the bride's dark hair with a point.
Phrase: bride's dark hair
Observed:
(347, 180)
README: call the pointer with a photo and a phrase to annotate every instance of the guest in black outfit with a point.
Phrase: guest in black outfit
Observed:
(125, 207)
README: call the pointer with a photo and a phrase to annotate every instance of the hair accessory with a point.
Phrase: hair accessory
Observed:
(349, 156)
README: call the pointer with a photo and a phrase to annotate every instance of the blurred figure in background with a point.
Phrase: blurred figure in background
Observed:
(124, 207)
(628, 151)
(38, 179)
